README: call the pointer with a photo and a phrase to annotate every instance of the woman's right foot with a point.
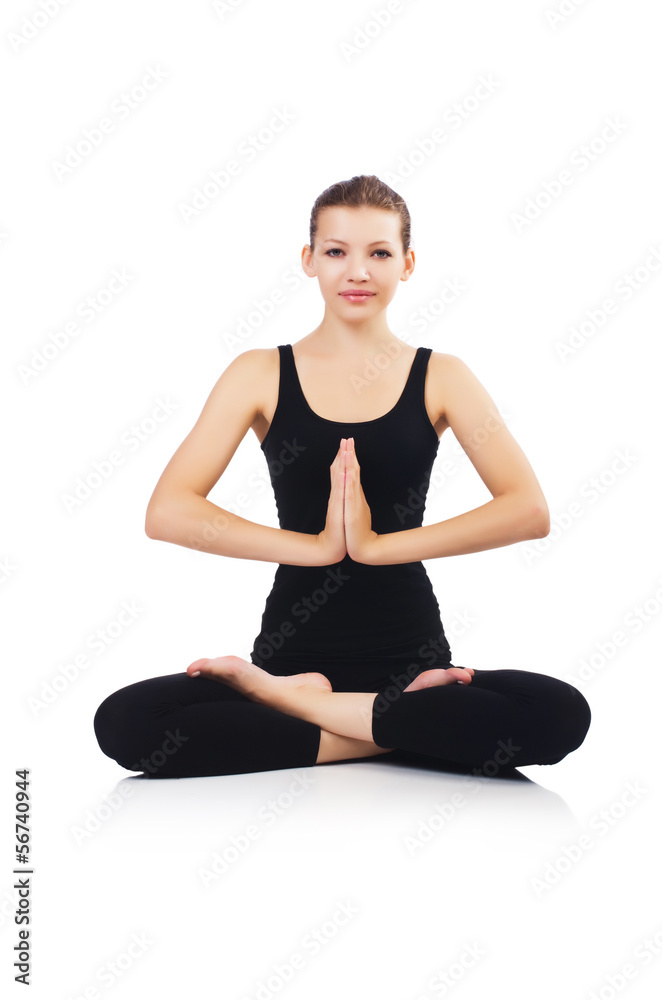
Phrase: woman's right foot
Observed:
(251, 680)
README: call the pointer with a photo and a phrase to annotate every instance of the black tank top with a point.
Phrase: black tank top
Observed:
(350, 612)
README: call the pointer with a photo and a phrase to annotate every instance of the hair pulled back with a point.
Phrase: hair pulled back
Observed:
(363, 189)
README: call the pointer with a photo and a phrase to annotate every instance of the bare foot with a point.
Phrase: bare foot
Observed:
(434, 678)
(251, 680)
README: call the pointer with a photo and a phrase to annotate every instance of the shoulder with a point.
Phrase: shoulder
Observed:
(252, 366)
(445, 362)
(455, 388)
(246, 375)
(447, 370)
(251, 377)
(255, 359)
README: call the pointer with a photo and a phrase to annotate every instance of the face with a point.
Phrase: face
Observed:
(357, 250)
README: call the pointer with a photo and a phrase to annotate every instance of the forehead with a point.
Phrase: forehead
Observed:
(363, 224)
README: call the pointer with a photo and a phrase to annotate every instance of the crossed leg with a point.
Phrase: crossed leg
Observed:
(333, 746)
(309, 696)
(182, 725)
(176, 726)
(455, 713)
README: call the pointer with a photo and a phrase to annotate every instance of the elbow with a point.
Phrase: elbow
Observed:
(153, 523)
(529, 517)
(150, 528)
(540, 520)
(166, 515)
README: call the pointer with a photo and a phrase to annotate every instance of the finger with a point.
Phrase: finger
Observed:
(336, 466)
(352, 461)
(341, 448)
(349, 476)
(338, 479)
(349, 494)
(342, 464)
(339, 460)
(337, 485)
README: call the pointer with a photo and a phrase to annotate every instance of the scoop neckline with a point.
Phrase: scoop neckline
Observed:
(351, 423)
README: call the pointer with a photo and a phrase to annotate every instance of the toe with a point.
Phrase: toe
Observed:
(193, 669)
(461, 674)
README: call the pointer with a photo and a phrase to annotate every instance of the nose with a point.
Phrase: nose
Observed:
(358, 270)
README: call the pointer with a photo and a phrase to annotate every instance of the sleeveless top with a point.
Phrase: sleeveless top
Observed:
(350, 612)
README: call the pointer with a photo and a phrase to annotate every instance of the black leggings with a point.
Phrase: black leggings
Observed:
(176, 726)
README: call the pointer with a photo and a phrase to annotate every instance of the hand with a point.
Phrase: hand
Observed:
(331, 540)
(359, 536)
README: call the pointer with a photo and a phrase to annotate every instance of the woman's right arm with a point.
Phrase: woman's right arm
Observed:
(179, 511)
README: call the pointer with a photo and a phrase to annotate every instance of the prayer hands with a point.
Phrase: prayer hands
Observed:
(348, 522)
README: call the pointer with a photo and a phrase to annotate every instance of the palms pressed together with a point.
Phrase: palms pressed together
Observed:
(306, 695)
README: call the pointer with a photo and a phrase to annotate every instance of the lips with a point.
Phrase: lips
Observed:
(356, 294)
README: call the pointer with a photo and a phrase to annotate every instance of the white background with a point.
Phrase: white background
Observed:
(491, 900)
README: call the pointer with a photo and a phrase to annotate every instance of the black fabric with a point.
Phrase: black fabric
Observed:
(508, 718)
(357, 623)
(176, 726)
(367, 628)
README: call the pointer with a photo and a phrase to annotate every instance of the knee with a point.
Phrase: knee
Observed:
(113, 729)
(573, 719)
(579, 714)
(103, 722)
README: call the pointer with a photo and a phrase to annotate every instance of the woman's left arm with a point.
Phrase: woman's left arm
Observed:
(518, 509)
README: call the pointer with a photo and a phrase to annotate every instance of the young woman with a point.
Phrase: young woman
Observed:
(351, 660)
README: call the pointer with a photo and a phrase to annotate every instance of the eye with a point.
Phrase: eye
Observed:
(328, 253)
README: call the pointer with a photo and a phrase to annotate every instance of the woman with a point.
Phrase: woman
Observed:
(351, 660)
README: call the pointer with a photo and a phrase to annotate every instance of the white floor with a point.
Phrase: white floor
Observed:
(368, 878)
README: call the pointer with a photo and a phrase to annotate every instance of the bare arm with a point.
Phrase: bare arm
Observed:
(179, 511)
(518, 509)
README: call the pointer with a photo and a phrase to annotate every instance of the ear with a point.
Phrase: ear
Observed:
(307, 261)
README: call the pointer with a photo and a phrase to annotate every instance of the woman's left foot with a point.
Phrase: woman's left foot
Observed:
(439, 676)
(251, 680)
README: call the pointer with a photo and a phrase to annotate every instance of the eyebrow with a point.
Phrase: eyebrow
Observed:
(342, 242)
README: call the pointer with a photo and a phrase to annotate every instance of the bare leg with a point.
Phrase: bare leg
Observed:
(306, 696)
(333, 747)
